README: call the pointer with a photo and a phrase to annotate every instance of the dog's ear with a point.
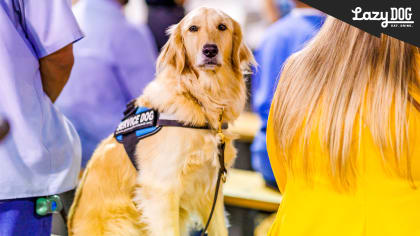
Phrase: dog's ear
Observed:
(242, 56)
(173, 52)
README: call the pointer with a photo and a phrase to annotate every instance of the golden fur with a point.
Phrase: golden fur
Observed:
(174, 189)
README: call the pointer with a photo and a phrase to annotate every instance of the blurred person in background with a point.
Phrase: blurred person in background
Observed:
(41, 155)
(276, 9)
(283, 38)
(113, 64)
(161, 15)
(343, 136)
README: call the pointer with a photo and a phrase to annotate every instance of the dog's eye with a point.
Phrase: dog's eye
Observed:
(193, 28)
(221, 27)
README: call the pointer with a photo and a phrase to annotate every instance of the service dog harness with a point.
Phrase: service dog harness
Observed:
(141, 122)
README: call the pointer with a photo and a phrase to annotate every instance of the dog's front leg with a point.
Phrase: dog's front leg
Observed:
(218, 224)
(160, 210)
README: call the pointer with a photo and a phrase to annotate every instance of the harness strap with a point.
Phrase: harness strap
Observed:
(142, 122)
(130, 148)
(130, 144)
(175, 123)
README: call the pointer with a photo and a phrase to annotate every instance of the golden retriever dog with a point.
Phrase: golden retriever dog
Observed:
(199, 75)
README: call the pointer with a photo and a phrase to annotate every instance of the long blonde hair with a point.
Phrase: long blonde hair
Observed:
(343, 75)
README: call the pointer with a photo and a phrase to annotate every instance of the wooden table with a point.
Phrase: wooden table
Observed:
(247, 189)
(246, 126)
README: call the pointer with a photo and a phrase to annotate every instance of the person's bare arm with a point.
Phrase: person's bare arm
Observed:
(55, 71)
(271, 12)
(4, 128)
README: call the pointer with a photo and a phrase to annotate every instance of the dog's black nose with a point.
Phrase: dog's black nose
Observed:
(210, 50)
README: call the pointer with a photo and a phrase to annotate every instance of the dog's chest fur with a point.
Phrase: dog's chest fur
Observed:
(184, 160)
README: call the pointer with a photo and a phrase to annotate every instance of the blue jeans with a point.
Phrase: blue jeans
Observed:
(260, 161)
(18, 218)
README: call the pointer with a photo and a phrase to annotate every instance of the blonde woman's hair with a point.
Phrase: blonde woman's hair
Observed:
(342, 77)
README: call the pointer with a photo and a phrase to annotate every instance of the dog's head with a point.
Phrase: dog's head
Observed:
(205, 40)
(203, 61)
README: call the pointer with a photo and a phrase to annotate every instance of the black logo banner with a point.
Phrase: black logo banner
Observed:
(397, 18)
(139, 120)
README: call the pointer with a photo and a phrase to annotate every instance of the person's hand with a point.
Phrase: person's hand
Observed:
(4, 128)
(180, 2)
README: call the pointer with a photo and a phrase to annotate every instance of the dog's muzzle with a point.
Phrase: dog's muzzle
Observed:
(210, 50)
(210, 57)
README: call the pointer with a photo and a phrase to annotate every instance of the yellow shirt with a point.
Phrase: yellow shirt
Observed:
(381, 204)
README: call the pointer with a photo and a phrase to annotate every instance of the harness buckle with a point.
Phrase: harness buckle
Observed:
(224, 176)
(221, 137)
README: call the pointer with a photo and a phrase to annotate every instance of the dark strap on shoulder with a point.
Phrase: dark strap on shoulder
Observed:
(130, 143)
(130, 108)
(175, 123)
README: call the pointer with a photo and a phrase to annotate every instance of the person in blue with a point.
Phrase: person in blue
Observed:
(161, 15)
(41, 155)
(112, 66)
(283, 38)
(275, 9)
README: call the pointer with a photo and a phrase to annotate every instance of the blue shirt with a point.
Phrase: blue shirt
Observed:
(112, 66)
(41, 156)
(285, 37)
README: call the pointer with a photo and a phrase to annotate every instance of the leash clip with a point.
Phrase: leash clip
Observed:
(224, 176)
